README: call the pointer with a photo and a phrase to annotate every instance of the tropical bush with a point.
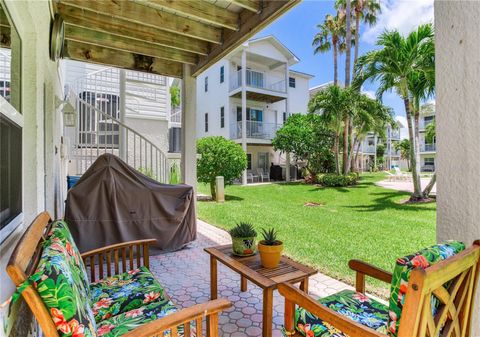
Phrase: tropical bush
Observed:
(219, 157)
(337, 180)
(307, 139)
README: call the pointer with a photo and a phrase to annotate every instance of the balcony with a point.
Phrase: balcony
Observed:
(424, 123)
(428, 148)
(260, 86)
(255, 130)
(394, 134)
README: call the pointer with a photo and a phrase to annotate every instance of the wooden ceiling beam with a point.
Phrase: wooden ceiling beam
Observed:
(147, 16)
(200, 10)
(94, 54)
(106, 24)
(129, 45)
(250, 24)
(251, 5)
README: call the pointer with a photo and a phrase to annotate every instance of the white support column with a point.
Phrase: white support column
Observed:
(244, 108)
(122, 111)
(189, 145)
(287, 112)
(458, 124)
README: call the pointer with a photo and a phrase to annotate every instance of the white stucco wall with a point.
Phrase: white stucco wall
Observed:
(458, 124)
(211, 101)
(43, 168)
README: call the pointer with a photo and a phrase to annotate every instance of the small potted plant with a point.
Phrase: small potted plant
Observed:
(243, 239)
(270, 248)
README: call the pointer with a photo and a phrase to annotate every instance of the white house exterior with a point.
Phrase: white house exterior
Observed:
(247, 97)
(427, 149)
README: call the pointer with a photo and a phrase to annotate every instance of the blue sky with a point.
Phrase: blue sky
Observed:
(297, 27)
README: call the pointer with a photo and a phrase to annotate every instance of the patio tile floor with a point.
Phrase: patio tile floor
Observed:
(185, 274)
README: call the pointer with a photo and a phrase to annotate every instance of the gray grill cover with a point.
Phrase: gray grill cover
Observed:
(112, 203)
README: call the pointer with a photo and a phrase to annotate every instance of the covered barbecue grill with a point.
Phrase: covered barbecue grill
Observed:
(112, 202)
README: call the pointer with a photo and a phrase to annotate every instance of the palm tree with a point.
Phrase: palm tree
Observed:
(400, 65)
(330, 36)
(332, 103)
(345, 13)
(404, 147)
(369, 115)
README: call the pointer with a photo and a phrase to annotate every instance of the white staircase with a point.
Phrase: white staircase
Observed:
(99, 128)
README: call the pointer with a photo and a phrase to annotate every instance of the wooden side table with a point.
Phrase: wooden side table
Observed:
(251, 269)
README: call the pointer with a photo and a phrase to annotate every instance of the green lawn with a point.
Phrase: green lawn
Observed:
(365, 222)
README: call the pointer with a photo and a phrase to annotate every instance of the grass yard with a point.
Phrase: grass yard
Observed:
(365, 222)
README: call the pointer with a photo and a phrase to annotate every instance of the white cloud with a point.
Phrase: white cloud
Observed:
(369, 93)
(403, 15)
(404, 129)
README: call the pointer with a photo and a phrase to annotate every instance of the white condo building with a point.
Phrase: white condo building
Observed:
(427, 149)
(247, 96)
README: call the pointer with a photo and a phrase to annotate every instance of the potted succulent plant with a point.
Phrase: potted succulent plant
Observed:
(243, 239)
(270, 248)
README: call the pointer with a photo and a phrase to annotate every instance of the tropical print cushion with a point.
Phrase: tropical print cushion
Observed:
(356, 306)
(124, 292)
(60, 232)
(127, 321)
(401, 274)
(60, 283)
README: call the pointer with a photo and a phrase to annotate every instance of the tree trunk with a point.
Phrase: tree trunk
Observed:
(346, 123)
(357, 34)
(417, 192)
(335, 65)
(416, 127)
(213, 190)
(428, 188)
(337, 153)
(348, 37)
(356, 153)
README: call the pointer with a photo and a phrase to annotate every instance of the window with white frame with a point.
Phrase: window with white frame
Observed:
(206, 83)
(222, 74)
(206, 122)
(11, 128)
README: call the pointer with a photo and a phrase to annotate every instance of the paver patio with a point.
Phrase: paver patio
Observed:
(186, 277)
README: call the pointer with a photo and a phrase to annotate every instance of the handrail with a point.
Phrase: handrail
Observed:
(160, 157)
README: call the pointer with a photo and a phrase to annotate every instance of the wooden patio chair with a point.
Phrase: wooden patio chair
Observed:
(432, 294)
(51, 276)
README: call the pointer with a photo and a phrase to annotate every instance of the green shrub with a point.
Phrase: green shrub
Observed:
(219, 157)
(174, 174)
(337, 180)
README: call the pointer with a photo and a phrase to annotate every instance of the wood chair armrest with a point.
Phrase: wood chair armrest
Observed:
(294, 296)
(362, 269)
(185, 316)
(126, 253)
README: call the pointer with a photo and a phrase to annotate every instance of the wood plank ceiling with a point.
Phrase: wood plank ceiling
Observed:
(159, 36)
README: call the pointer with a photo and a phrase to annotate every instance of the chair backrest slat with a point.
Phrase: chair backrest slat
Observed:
(452, 282)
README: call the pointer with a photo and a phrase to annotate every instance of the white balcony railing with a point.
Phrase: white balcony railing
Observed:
(258, 80)
(257, 130)
(427, 148)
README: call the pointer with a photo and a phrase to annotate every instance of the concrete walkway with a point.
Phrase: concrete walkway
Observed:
(186, 276)
(405, 186)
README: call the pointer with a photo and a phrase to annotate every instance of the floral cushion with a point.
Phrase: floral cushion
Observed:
(60, 232)
(60, 283)
(356, 306)
(124, 292)
(401, 274)
(127, 321)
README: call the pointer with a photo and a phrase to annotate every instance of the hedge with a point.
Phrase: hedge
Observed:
(337, 180)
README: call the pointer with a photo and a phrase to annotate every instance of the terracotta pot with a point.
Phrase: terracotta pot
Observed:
(244, 246)
(270, 255)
